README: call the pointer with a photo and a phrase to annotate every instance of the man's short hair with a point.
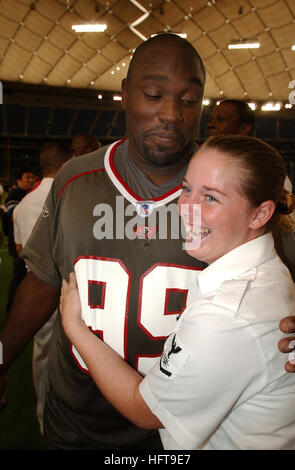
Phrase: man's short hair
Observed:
(53, 155)
(21, 171)
(246, 114)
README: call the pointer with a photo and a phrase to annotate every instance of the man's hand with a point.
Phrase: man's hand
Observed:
(287, 345)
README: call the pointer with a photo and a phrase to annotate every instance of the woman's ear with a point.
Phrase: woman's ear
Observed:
(262, 215)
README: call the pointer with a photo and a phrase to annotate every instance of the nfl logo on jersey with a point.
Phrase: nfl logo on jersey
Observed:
(145, 208)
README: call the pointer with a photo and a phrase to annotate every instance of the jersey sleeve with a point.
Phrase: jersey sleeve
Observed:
(37, 252)
(209, 363)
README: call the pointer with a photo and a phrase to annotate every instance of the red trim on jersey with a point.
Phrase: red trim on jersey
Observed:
(139, 356)
(77, 176)
(103, 295)
(35, 186)
(168, 292)
(139, 305)
(128, 189)
(117, 260)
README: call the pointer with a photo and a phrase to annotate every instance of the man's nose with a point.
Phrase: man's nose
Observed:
(170, 111)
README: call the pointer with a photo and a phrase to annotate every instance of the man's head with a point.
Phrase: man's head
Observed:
(52, 156)
(84, 143)
(231, 117)
(162, 97)
(25, 178)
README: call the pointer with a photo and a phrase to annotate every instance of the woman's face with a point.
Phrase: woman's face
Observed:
(211, 189)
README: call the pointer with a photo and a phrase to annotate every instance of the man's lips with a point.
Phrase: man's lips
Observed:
(165, 137)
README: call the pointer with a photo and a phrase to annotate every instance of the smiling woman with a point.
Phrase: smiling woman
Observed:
(220, 383)
(238, 187)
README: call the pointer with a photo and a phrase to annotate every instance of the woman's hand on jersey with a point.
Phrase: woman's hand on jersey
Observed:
(70, 307)
(287, 345)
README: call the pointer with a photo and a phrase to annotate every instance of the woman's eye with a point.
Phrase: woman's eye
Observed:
(210, 198)
(185, 189)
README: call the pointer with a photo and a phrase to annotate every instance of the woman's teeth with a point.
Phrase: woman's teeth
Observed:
(197, 235)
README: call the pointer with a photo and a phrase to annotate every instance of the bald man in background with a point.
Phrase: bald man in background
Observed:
(52, 157)
(84, 143)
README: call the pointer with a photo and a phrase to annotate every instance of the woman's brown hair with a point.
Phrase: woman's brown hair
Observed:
(264, 175)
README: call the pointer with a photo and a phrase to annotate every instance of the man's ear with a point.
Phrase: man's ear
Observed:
(246, 128)
(262, 215)
(124, 93)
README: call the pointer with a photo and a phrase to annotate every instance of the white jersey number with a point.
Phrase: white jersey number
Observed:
(109, 318)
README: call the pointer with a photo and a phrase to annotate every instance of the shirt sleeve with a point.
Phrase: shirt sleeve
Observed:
(37, 252)
(16, 228)
(211, 362)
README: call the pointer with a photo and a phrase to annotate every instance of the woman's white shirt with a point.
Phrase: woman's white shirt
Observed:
(221, 383)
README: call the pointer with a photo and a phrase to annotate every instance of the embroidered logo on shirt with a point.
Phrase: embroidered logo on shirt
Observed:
(165, 358)
(45, 212)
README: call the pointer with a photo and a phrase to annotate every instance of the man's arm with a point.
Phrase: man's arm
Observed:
(287, 345)
(34, 302)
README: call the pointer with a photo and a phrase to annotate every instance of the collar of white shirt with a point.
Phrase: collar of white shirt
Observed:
(243, 260)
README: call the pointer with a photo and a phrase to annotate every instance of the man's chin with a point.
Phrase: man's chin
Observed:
(163, 156)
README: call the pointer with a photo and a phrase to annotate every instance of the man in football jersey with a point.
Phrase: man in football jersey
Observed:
(133, 280)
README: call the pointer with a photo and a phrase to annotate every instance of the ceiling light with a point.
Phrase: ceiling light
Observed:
(252, 106)
(117, 98)
(271, 107)
(206, 102)
(89, 28)
(293, 47)
(99, 97)
(244, 44)
(288, 105)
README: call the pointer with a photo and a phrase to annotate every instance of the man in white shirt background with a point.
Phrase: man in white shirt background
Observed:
(52, 156)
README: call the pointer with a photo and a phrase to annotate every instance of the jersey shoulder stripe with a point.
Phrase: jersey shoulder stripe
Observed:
(78, 167)
(77, 176)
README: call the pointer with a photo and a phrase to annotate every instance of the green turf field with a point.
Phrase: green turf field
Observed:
(18, 423)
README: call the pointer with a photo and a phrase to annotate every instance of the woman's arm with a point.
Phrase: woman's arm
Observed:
(118, 382)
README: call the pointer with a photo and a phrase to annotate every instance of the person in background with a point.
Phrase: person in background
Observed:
(233, 117)
(220, 382)
(25, 181)
(83, 144)
(52, 157)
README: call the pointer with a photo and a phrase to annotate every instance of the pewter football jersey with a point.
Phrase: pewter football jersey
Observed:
(134, 280)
